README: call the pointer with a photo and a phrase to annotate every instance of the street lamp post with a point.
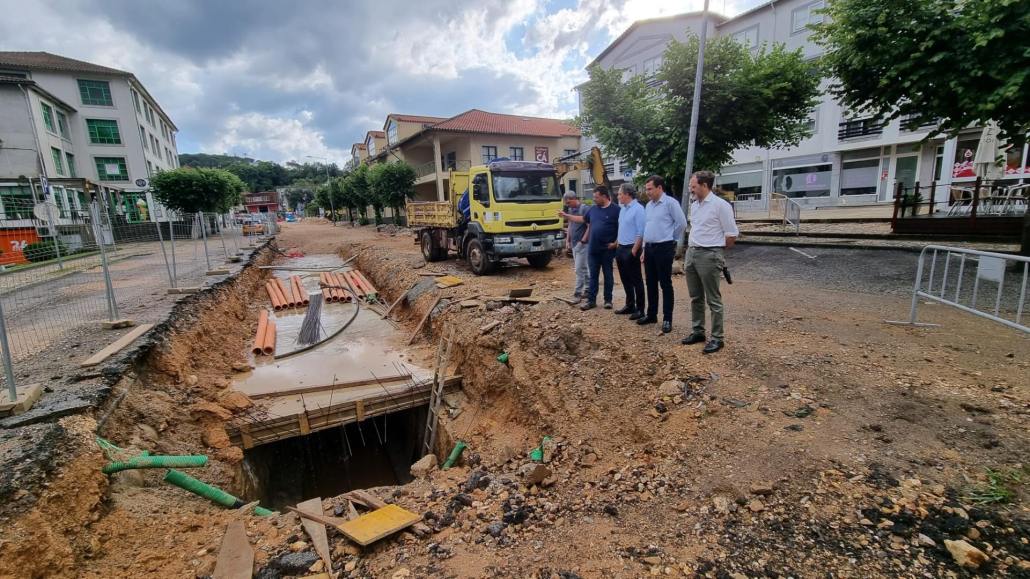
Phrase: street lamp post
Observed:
(695, 107)
(328, 188)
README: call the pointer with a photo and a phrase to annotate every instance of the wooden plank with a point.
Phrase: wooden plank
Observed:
(359, 410)
(566, 300)
(489, 326)
(305, 427)
(425, 318)
(27, 396)
(370, 501)
(523, 292)
(380, 523)
(448, 281)
(431, 274)
(323, 388)
(398, 300)
(236, 556)
(117, 345)
(248, 440)
(316, 530)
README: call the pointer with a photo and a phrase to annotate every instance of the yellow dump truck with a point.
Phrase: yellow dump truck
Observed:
(504, 209)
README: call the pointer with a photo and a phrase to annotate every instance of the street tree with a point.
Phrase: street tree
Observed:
(950, 64)
(761, 98)
(392, 184)
(356, 192)
(193, 190)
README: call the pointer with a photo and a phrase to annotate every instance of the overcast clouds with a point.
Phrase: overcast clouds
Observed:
(280, 80)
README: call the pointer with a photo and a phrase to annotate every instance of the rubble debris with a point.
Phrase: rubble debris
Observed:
(424, 466)
(236, 556)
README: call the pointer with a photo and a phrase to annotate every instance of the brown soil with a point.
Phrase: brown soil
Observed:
(819, 443)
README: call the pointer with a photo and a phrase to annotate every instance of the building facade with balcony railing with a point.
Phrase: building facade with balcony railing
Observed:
(848, 159)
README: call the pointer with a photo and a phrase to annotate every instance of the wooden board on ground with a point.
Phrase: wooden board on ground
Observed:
(525, 300)
(418, 328)
(117, 345)
(380, 523)
(569, 301)
(27, 396)
(522, 292)
(236, 556)
(448, 281)
(316, 530)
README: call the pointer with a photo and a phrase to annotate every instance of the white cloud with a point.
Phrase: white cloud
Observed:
(266, 137)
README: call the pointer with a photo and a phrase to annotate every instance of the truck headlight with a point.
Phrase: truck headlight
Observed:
(502, 240)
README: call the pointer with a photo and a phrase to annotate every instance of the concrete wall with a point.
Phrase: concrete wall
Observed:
(18, 152)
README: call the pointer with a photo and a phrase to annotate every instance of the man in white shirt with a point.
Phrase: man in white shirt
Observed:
(712, 229)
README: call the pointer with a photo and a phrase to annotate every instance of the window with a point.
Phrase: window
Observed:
(812, 124)
(860, 177)
(135, 100)
(143, 137)
(155, 145)
(48, 117)
(168, 156)
(111, 169)
(517, 154)
(526, 187)
(370, 144)
(72, 171)
(569, 153)
(810, 181)
(744, 186)
(58, 164)
(148, 113)
(150, 169)
(103, 132)
(806, 15)
(652, 66)
(62, 125)
(489, 153)
(95, 92)
(391, 132)
(747, 37)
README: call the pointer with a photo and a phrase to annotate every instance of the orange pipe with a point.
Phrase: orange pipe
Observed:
(342, 280)
(298, 292)
(269, 343)
(259, 339)
(326, 296)
(364, 280)
(287, 294)
(273, 295)
(330, 293)
(279, 295)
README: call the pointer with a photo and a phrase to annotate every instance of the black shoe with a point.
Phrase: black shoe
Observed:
(695, 338)
(666, 327)
(713, 346)
(636, 315)
(588, 306)
(607, 305)
(625, 310)
(646, 320)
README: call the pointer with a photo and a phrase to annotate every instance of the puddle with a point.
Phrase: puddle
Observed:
(369, 350)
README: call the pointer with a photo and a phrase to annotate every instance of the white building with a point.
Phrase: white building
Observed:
(67, 121)
(848, 160)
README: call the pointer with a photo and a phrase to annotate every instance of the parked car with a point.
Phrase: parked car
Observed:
(252, 225)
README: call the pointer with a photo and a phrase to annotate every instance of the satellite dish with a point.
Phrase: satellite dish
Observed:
(45, 209)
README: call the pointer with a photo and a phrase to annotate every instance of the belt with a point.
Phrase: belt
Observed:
(626, 245)
(654, 243)
(712, 248)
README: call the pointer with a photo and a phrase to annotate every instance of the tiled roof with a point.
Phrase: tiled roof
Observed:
(417, 118)
(477, 121)
(48, 61)
(359, 146)
(376, 134)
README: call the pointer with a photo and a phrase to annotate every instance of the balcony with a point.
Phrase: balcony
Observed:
(912, 123)
(427, 171)
(859, 128)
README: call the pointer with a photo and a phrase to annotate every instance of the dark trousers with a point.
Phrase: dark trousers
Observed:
(632, 279)
(658, 266)
(600, 260)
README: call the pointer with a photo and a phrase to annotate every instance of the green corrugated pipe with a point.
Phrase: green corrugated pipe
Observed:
(455, 455)
(209, 492)
(189, 461)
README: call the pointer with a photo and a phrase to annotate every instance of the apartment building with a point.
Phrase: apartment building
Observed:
(78, 122)
(848, 160)
(434, 146)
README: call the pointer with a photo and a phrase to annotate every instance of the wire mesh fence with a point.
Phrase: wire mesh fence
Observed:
(62, 268)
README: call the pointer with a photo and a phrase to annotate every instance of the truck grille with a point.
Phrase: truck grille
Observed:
(532, 222)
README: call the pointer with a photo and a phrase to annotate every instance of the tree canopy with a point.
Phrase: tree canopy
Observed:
(261, 175)
(761, 98)
(392, 184)
(192, 190)
(945, 63)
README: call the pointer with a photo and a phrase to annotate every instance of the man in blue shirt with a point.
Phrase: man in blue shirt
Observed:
(602, 232)
(665, 224)
(627, 255)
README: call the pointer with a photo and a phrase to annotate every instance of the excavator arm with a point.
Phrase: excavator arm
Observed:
(593, 163)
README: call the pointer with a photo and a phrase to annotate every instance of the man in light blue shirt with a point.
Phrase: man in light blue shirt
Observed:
(627, 254)
(665, 224)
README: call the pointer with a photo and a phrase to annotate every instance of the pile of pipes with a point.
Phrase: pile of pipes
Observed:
(286, 295)
(264, 341)
(335, 286)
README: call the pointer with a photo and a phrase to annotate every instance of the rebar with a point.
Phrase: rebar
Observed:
(310, 328)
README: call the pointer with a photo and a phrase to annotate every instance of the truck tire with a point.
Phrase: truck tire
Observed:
(539, 260)
(429, 249)
(477, 258)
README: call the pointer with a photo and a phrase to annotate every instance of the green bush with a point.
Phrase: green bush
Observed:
(363, 221)
(44, 250)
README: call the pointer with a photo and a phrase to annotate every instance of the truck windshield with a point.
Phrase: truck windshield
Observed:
(525, 187)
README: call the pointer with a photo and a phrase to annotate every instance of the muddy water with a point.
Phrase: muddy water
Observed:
(368, 349)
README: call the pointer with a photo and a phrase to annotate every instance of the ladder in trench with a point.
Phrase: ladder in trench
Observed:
(443, 357)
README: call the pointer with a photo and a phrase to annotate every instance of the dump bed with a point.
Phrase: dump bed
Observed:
(431, 214)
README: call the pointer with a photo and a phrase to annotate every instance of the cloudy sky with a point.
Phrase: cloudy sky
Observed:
(278, 80)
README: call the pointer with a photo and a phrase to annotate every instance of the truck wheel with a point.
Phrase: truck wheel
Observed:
(429, 250)
(539, 260)
(478, 260)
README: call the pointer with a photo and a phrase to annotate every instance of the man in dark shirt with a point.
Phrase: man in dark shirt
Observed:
(602, 232)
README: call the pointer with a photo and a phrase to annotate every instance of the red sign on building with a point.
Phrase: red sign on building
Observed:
(541, 155)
